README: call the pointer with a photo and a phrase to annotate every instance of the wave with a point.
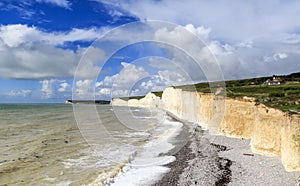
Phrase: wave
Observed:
(146, 165)
(108, 175)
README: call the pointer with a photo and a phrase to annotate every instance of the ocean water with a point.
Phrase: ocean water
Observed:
(56, 144)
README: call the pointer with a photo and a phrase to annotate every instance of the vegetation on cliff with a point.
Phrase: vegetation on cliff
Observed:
(285, 96)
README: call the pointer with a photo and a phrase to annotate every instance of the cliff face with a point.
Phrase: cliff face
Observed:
(271, 131)
(150, 100)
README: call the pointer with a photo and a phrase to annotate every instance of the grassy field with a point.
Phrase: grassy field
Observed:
(285, 96)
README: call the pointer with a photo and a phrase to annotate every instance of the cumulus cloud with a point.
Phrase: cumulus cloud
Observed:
(64, 87)
(53, 89)
(238, 60)
(121, 84)
(232, 21)
(36, 62)
(136, 79)
(47, 88)
(201, 32)
(104, 91)
(245, 37)
(29, 53)
(147, 84)
(89, 64)
(191, 55)
(173, 77)
(84, 89)
(248, 58)
(129, 73)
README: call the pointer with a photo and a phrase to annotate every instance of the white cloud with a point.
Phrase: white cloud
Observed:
(243, 35)
(88, 66)
(18, 34)
(14, 35)
(174, 77)
(47, 88)
(20, 93)
(279, 56)
(120, 93)
(64, 87)
(121, 84)
(37, 61)
(61, 3)
(105, 91)
(233, 20)
(247, 44)
(218, 49)
(108, 81)
(29, 53)
(136, 92)
(275, 57)
(241, 60)
(98, 84)
(84, 89)
(130, 73)
(126, 78)
(147, 85)
(134, 80)
(195, 60)
(201, 32)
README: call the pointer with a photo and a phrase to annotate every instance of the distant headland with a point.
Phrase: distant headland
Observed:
(100, 102)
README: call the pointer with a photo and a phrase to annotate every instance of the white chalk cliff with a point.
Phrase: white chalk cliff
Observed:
(150, 100)
(272, 132)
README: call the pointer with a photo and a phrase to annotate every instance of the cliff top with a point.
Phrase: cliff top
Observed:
(284, 96)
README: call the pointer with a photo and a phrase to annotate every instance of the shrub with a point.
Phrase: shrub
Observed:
(276, 94)
(290, 92)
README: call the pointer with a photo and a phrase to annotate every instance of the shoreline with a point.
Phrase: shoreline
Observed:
(183, 170)
(182, 156)
(271, 131)
(221, 160)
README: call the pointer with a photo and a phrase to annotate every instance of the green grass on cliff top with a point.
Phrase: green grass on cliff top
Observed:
(285, 97)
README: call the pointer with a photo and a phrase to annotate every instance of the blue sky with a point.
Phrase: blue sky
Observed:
(43, 41)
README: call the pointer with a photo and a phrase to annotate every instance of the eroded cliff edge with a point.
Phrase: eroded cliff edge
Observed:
(272, 132)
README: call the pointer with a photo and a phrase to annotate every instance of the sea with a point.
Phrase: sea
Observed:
(61, 144)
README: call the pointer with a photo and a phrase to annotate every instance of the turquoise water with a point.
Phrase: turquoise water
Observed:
(41, 144)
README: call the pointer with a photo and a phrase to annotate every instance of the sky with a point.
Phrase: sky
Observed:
(54, 50)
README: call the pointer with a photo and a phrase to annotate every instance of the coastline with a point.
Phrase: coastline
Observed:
(219, 160)
(271, 131)
(252, 147)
